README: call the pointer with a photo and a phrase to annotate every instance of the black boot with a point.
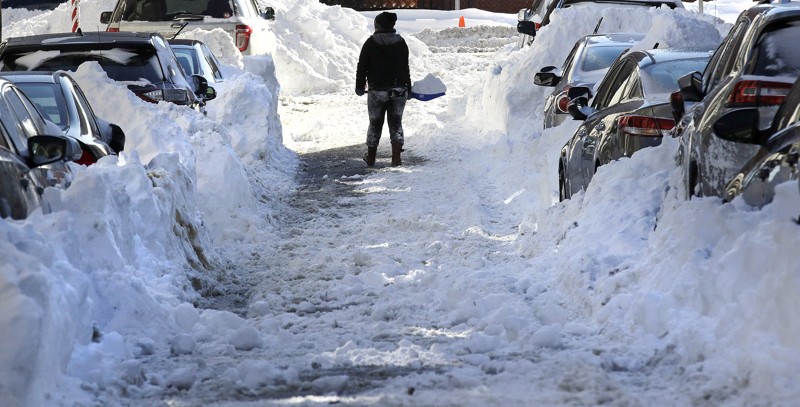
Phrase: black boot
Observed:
(396, 150)
(369, 156)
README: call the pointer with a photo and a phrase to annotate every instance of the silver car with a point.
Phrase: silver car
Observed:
(32, 154)
(586, 65)
(59, 98)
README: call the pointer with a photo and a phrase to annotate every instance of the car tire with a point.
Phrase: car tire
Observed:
(5, 208)
(562, 185)
(691, 179)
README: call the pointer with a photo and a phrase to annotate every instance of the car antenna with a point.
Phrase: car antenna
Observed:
(597, 27)
(79, 32)
(179, 30)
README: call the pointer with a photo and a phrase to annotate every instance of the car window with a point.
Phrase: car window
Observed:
(12, 126)
(722, 62)
(566, 69)
(617, 80)
(629, 86)
(775, 52)
(85, 109)
(120, 64)
(188, 60)
(3, 141)
(212, 62)
(601, 57)
(662, 78)
(26, 125)
(49, 100)
(167, 10)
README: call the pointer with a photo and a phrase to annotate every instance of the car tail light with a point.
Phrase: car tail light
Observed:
(178, 96)
(562, 100)
(113, 30)
(646, 126)
(758, 93)
(537, 26)
(87, 158)
(243, 33)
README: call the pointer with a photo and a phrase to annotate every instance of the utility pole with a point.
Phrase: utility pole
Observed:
(458, 4)
(699, 6)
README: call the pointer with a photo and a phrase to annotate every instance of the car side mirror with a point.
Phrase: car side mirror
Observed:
(200, 84)
(210, 94)
(547, 76)
(691, 87)
(117, 138)
(740, 126)
(578, 106)
(526, 27)
(43, 149)
(677, 105)
(105, 17)
(268, 14)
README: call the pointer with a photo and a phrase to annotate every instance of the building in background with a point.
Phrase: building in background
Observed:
(497, 6)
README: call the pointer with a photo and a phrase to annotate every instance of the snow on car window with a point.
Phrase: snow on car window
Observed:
(662, 78)
(776, 51)
(34, 59)
(601, 57)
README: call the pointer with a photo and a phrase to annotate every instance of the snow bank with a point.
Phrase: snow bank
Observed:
(509, 100)
(140, 234)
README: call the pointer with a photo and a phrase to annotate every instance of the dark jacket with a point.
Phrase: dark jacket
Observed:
(383, 62)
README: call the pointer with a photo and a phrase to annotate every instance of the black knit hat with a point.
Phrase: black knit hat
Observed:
(385, 21)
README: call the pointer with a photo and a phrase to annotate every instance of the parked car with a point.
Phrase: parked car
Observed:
(777, 159)
(59, 98)
(197, 59)
(630, 111)
(244, 20)
(754, 67)
(529, 20)
(144, 61)
(585, 65)
(556, 5)
(33, 154)
(33, 4)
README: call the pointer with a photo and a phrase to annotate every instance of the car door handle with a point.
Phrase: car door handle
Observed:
(600, 127)
(176, 25)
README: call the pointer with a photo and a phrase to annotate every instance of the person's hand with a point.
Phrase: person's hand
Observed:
(360, 92)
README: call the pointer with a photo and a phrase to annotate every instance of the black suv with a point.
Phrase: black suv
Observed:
(144, 61)
(778, 158)
(754, 67)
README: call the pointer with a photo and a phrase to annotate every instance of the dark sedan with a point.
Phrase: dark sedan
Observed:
(754, 67)
(32, 154)
(630, 111)
(777, 159)
(143, 61)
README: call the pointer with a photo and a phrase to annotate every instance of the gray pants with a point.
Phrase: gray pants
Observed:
(389, 104)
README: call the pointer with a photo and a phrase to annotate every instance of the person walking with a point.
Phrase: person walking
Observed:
(384, 75)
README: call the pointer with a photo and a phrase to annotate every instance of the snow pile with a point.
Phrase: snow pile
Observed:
(429, 85)
(513, 108)
(139, 234)
(469, 39)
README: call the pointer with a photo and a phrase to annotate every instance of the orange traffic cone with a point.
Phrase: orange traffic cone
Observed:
(461, 22)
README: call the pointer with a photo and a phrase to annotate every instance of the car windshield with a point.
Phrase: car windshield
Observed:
(662, 78)
(167, 10)
(776, 53)
(50, 101)
(120, 64)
